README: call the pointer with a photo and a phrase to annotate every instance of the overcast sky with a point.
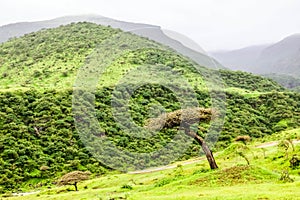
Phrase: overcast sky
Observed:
(213, 24)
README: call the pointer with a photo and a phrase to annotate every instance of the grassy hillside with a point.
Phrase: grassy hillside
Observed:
(39, 140)
(234, 180)
(49, 58)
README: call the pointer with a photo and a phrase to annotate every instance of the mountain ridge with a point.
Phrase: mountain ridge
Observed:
(152, 32)
(239, 59)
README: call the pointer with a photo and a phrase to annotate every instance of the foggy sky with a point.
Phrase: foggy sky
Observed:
(213, 24)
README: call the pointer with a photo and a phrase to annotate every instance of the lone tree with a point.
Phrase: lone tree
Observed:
(243, 138)
(73, 178)
(185, 118)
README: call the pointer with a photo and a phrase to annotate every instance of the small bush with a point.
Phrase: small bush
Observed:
(64, 74)
(37, 73)
(126, 186)
(295, 162)
(285, 177)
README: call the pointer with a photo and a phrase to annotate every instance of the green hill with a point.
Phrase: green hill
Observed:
(152, 32)
(39, 60)
(39, 140)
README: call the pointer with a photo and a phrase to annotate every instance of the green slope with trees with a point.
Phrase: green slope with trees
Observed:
(39, 140)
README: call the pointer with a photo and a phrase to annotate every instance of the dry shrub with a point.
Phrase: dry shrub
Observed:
(73, 178)
(243, 138)
(184, 117)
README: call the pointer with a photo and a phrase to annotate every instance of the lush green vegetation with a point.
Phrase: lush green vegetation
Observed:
(41, 59)
(249, 81)
(39, 141)
(263, 179)
(37, 129)
(38, 138)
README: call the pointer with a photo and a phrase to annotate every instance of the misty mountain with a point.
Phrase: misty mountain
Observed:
(149, 31)
(290, 82)
(22, 28)
(184, 40)
(241, 59)
(282, 57)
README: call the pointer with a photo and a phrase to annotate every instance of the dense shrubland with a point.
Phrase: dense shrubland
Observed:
(39, 140)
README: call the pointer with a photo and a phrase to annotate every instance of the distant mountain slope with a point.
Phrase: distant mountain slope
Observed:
(150, 31)
(159, 36)
(287, 81)
(280, 58)
(184, 40)
(22, 28)
(240, 59)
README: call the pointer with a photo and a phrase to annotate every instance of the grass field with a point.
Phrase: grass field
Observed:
(234, 180)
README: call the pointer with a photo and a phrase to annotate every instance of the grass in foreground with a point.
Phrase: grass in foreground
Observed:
(234, 180)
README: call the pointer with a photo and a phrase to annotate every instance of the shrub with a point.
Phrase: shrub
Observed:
(126, 186)
(243, 138)
(285, 177)
(295, 161)
(73, 178)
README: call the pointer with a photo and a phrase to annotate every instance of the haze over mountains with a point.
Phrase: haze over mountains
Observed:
(181, 44)
(240, 59)
(282, 57)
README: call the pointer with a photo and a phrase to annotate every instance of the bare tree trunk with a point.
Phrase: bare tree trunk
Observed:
(75, 184)
(205, 148)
